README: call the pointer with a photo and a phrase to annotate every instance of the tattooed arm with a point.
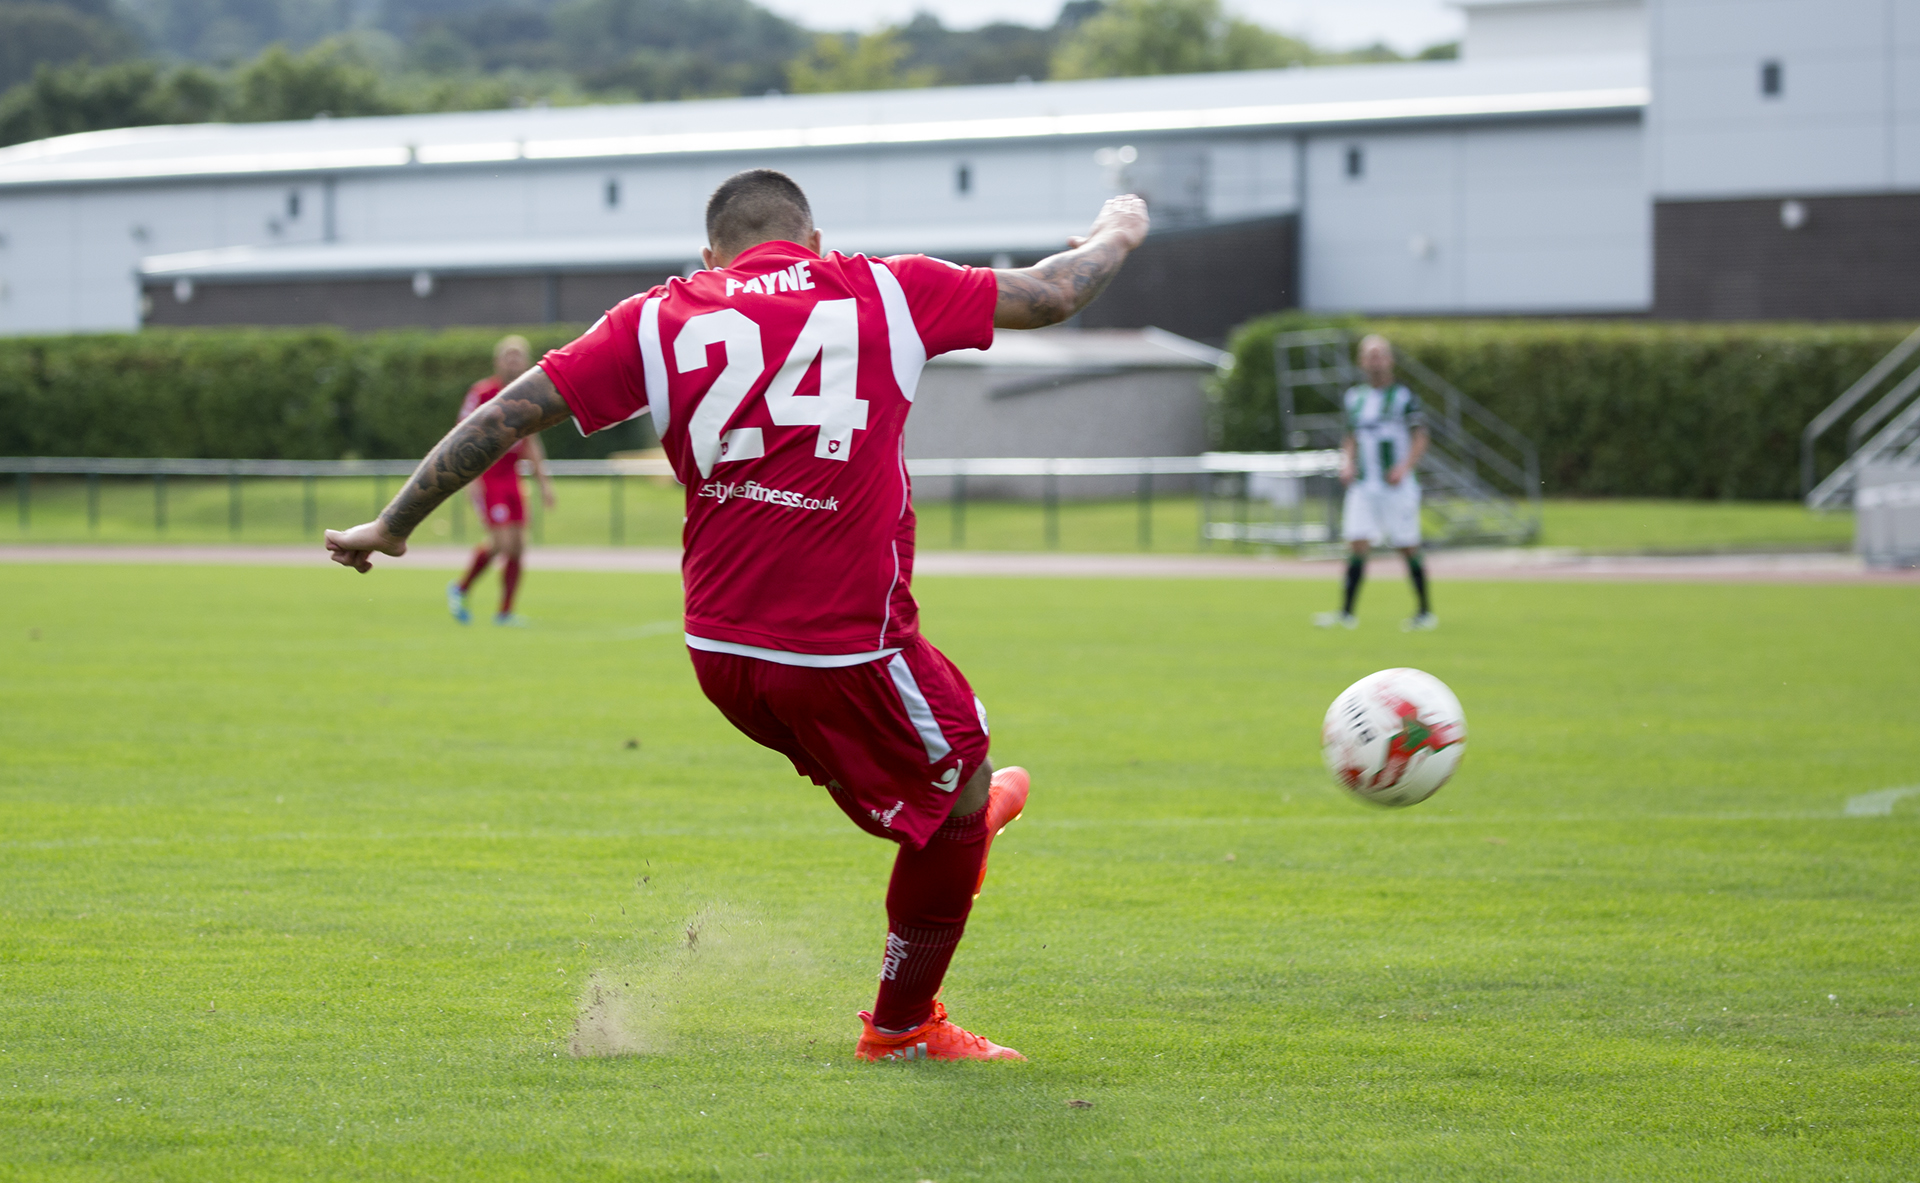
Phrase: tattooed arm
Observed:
(528, 405)
(1056, 287)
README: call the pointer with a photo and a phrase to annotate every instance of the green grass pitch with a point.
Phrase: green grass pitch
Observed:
(303, 881)
(591, 511)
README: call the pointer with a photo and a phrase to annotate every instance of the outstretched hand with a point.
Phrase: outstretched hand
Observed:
(356, 547)
(1124, 217)
(1058, 286)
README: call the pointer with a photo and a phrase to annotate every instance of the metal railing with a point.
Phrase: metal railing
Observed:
(957, 471)
(1896, 416)
(1482, 476)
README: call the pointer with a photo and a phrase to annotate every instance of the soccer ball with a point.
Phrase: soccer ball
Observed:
(1393, 738)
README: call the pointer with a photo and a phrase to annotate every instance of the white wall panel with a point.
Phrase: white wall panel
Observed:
(924, 187)
(1597, 274)
(440, 207)
(1815, 157)
(1904, 136)
(840, 187)
(1487, 220)
(106, 254)
(1360, 231)
(1081, 184)
(1845, 121)
(1006, 184)
(36, 264)
(1691, 29)
(667, 199)
(1252, 177)
(71, 255)
(1543, 29)
(1726, 91)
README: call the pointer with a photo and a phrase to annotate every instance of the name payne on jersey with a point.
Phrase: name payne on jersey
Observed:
(787, 279)
(725, 491)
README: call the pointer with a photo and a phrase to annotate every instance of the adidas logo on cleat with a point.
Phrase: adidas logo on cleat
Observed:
(936, 1039)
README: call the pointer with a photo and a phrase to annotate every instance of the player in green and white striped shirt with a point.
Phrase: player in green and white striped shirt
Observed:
(1386, 436)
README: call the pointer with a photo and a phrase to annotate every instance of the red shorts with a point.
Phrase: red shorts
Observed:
(899, 736)
(502, 498)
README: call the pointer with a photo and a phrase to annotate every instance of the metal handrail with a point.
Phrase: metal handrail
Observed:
(1458, 399)
(1867, 384)
(1318, 463)
(1460, 459)
(1897, 441)
(1872, 417)
(172, 466)
(1323, 462)
(1050, 469)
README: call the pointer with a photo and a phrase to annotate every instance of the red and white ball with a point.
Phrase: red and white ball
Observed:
(1393, 738)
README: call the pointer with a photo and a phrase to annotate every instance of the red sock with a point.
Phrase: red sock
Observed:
(509, 583)
(481, 557)
(927, 905)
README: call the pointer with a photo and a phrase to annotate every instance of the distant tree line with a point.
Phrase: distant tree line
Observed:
(82, 65)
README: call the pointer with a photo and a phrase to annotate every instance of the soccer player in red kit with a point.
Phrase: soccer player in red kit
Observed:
(779, 382)
(496, 498)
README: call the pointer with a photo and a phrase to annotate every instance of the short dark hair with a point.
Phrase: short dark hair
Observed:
(755, 206)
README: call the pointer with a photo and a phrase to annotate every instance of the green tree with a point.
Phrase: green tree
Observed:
(871, 61)
(63, 100)
(34, 35)
(1134, 37)
(331, 77)
(999, 52)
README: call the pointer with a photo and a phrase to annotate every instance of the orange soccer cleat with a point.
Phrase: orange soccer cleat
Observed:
(935, 1039)
(1006, 801)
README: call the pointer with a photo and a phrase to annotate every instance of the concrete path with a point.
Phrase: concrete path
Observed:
(1536, 563)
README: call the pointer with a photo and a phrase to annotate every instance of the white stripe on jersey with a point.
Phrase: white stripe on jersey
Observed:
(814, 661)
(919, 710)
(653, 365)
(909, 351)
(909, 356)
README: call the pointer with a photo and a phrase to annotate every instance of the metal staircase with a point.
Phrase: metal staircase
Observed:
(1893, 421)
(1480, 478)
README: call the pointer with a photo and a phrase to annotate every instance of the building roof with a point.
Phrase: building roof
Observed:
(495, 256)
(1091, 352)
(1328, 96)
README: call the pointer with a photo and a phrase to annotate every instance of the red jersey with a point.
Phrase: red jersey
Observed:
(507, 468)
(779, 387)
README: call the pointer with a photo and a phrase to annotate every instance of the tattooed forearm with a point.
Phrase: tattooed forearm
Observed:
(1055, 288)
(529, 405)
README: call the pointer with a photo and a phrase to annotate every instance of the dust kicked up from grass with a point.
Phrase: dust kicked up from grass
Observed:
(694, 979)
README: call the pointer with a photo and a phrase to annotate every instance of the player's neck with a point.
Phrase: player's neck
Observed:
(783, 246)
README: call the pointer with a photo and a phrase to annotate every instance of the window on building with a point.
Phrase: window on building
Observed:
(1356, 161)
(613, 194)
(293, 203)
(1772, 80)
(963, 179)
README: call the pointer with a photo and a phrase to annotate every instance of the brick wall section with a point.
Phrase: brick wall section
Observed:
(1201, 282)
(1855, 258)
(389, 303)
(1198, 282)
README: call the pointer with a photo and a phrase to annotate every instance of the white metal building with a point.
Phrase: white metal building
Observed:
(1539, 174)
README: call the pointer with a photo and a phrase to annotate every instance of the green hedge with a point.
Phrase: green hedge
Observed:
(1618, 408)
(303, 394)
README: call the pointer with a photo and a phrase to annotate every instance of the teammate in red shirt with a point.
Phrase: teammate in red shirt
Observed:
(779, 382)
(496, 498)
